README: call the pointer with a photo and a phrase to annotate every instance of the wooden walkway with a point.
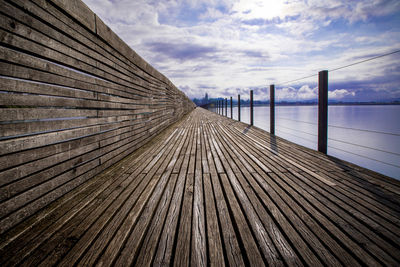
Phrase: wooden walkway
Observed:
(213, 191)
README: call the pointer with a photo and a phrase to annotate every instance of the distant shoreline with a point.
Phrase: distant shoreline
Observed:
(316, 103)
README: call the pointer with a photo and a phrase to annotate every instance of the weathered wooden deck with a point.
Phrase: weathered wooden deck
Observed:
(213, 191)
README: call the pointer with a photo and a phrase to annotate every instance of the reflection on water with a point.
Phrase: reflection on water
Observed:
(367, 135)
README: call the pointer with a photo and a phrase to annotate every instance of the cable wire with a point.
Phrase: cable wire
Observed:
(295, 130)
(365, 60)
(387, 163)
(295, 80)
(362, 130)
(342, 127)
(342, 67)
(312, 123)
(372, 148)
(300, 137)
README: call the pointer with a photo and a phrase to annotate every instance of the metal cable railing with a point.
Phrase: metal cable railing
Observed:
(309, 140)
(337, 140)
(362, 156)
(297, 130)
(363, 130)
(313, 123)
(301, 133)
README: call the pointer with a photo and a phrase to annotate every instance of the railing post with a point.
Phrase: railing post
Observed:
(251, 109)
(238, 107)
(231, 109)
(323, 111)
(272, 109)
(226, 107)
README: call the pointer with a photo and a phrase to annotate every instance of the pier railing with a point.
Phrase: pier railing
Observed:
(386, 156)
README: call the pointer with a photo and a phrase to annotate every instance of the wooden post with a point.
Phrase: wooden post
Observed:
(238, 107)
(231, 109)
(251, 109)
(323, 111)
(226, 107)
(272, 109)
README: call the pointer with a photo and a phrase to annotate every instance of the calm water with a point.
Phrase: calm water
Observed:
(368, 136)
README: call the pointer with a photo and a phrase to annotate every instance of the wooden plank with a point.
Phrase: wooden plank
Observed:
(79, 11)
(26, 114)
(214, 235)
(134, 161)
(199, 245)
(131, 207)
(80, 224)
(129, 253)
(21, 157)
(39, 171)
(320, 213)
(269, 250)
(45, 228)
(16, 202)
(65, 24)
(245, 177)
(148, 248)
(253, 255)
(34, 68)
(363, 201)
(31, 208)
(58, 52)
(165, 249)
(23, 143)
(50, 32)
(60, 39)
(376, 244)
(185, 222)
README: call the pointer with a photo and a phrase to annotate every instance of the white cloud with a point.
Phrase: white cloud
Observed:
(303, 93)
(259, 9)
(340, 93)
(223, 45)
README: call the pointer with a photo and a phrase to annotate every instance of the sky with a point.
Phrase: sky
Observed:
(228, 47)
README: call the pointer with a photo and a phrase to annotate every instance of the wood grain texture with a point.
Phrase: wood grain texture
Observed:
(74, 100)
(104, 161)
(204, 193)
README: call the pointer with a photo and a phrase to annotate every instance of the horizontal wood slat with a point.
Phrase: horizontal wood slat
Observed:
(74, 99)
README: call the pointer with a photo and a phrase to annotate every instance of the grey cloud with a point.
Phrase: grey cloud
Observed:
(181, 51)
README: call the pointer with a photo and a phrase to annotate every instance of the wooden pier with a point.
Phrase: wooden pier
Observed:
(103, 161)
(213, 191)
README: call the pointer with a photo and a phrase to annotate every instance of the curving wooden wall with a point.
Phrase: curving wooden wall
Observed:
(74, 99)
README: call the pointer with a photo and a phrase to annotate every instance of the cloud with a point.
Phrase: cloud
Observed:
(340, 94)
(227, 47)
(181, 51)
(293, 94)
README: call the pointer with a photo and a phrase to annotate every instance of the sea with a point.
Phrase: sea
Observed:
(366, 135)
